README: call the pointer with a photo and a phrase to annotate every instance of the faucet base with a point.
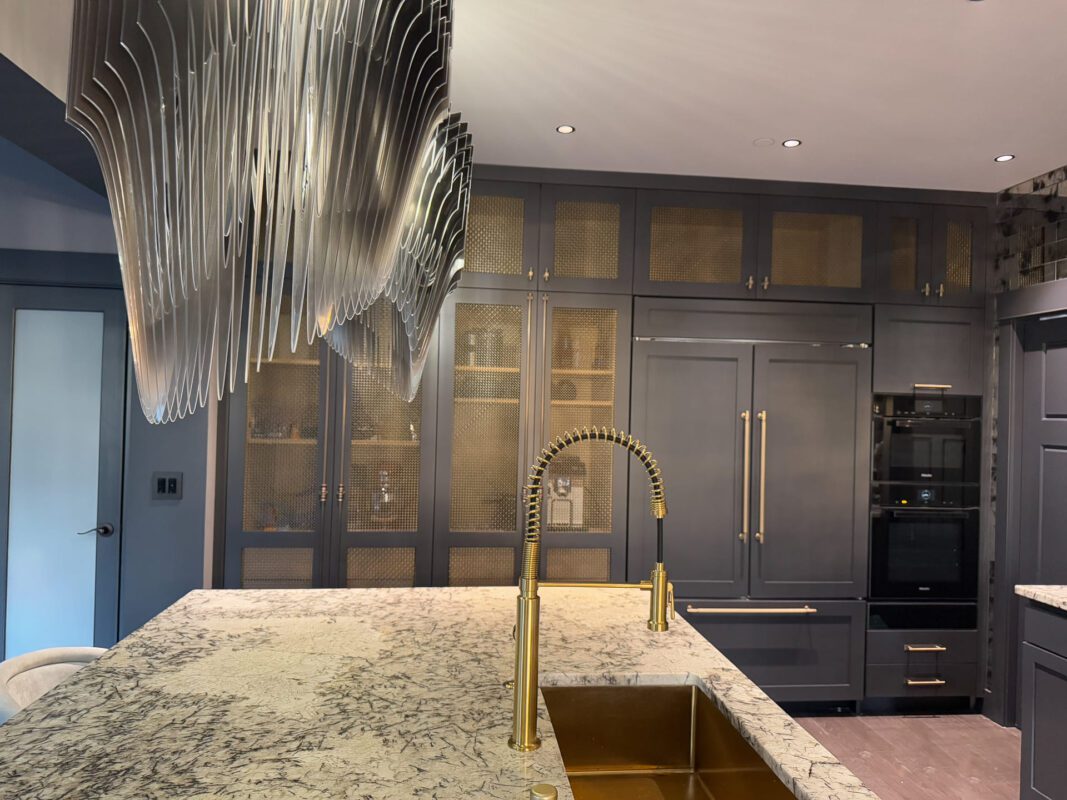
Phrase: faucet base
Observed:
(524, 748)
(657, 627)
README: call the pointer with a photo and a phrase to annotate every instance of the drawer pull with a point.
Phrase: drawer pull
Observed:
(936, 387)
(925, 648)
(804, 610)
(925, 682)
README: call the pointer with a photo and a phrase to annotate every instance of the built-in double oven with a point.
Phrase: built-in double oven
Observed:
(925, 498)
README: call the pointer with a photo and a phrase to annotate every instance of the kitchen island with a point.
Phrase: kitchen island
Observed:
(387, 693)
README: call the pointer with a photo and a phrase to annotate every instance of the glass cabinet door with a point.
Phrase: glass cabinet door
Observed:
(277, 470)
(583, 376)
(385, 511)
(483, 440)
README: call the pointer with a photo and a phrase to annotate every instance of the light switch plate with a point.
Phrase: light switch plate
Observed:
(166, 486)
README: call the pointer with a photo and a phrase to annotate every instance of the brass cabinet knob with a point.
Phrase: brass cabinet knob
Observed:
(750, 284)
(543, 791)
(766, 282)
(546, 276)
(529, 275)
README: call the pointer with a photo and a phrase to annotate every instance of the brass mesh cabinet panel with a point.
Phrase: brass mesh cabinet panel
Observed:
(282, 457)
(958, 255)
(384, 464)
(495, 229)
(578, 564)
(904, 252)
(582, 385)
(481, 566)
(816, 250)
(485, 441)
(380, 567)
(695, 245)
(586, 240)
(276, 567)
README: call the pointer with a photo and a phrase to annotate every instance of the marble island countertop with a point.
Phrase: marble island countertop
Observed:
(391, 693)
(1054, 596)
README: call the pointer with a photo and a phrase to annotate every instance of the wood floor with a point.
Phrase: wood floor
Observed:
(956, 757)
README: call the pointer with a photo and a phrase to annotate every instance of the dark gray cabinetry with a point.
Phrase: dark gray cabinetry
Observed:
(922, 663)
(904, 257)
(814, 249)
(518, 368)
(1044, 705)
(923, 346)
(688, 402)
(696, 244)
(811, 496)
(503, 232)
(805, 531)
(795, 651)
(587, 239)
(960, 255)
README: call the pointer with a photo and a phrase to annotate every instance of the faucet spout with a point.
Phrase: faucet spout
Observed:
(524, 721)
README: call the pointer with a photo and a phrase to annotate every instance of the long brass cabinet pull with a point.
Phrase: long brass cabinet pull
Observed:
(935, 387)
(746, 481)
(925, 682)
(761, 528)
(925, 648)
(768, 611)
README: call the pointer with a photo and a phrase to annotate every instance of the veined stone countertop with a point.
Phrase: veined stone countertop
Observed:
(1055, 596)
(352, 693)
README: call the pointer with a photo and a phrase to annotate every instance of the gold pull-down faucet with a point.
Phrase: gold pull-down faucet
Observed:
(524, 722)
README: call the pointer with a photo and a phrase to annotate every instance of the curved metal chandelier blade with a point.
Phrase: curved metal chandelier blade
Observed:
(254, 149)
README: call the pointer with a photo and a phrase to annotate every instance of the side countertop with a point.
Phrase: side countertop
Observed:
(1054, 596)
(386, 693)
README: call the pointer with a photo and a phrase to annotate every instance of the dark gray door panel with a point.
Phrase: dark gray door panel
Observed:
(814, 486)
(688, 398)
(1044, 725)
(931, 345)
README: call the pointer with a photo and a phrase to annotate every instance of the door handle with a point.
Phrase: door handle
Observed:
(742, 610)
(925, 648)
(104, 530)
(929, 682)
(926, 289)
(746, 482)
(750, 284)
(766, 282)
(761, 531)
(941, 290)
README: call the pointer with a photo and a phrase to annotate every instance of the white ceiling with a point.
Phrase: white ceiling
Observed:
(884, 92)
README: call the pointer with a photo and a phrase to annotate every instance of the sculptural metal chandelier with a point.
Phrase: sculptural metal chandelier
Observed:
(261, 152)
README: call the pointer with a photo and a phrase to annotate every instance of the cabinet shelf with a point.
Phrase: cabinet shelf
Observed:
(585, 403)
(291, 362)
(592, 373)
(489, 400)
(495, 370)
(385, 443)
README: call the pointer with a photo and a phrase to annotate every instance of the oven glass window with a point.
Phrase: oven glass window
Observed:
(925, 552)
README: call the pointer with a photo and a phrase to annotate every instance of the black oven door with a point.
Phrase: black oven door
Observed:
(924, 554)
(926, 450)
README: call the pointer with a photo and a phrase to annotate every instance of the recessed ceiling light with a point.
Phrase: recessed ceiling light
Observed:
(1005, 157)
(565, 129)
(791, 143)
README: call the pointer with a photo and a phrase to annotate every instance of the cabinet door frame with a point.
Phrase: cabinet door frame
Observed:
(923, 291)
(444, 538)
(237, 538)
(547, 280)
(530, 193)
(978, 218)
(748, 205)
(1033, 657)
(892, 377)
(421, 538)
(770, 204)
(642, 533)
(547, 304)
(855, 586)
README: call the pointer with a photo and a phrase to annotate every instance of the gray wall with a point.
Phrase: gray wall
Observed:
(162, 542)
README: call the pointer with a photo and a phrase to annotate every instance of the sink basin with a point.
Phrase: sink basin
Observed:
(654, 743)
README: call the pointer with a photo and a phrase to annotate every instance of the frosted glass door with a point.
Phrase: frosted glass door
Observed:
(57, 392)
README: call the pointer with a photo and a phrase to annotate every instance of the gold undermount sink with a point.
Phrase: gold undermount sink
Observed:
(654, 743)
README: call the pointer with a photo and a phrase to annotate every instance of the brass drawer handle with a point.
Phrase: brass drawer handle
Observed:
(804, 610)
(925, 648)
(746, 491)
(939, 387)
(761, 529)
(925, 682)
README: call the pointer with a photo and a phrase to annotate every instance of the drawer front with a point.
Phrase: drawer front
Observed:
(922, 647)
(804, 650)
(902, 680)
(1046, 627)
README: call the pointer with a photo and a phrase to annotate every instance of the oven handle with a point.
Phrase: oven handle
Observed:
(940, 513)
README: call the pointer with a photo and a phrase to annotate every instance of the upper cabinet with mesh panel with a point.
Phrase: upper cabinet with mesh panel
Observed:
(695, 244)
(814, 249)
(960, 255)
(502, 236)
(586, 239)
